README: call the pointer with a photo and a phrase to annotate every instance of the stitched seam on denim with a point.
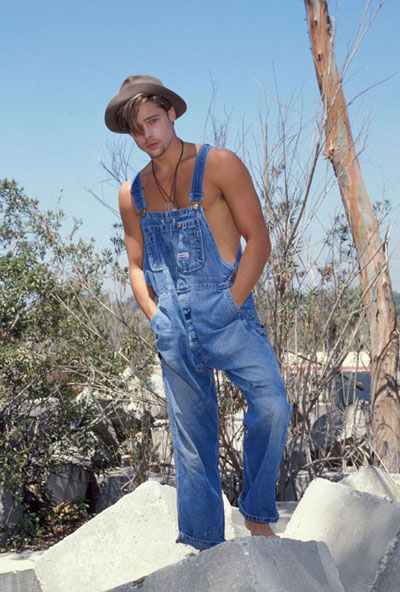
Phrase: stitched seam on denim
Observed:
(189, 538)
(196, 190)
(137, 194)
(260, 519)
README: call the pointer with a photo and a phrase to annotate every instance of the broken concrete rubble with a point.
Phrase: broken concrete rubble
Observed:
(388, 575)
(68, 481)
(375, 481)
(356, 526)
(130, 539)
(136, 538)
(17, 572)
(251, 564)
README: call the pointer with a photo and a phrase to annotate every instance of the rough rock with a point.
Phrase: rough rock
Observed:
(251, 564)
(356, 526)
(130, 539)
(375, 481)
(388, 576)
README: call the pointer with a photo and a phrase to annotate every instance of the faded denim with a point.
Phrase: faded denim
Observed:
(198, 328)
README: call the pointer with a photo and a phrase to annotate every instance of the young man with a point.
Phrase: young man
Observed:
(183, 217)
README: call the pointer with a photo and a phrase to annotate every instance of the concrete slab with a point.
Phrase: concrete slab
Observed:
(395, 477)
(251, 564)
(128, 540)
(388, 576)
(356, 526)
(17, 572)
(375, 481)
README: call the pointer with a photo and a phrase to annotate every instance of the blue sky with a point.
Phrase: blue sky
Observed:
(62, 61)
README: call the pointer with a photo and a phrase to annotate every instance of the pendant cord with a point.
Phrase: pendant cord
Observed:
(169, 199)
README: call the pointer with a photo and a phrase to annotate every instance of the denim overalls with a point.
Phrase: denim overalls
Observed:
(198, 326)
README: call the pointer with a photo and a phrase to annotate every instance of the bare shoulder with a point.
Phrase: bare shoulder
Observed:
(125, 190)
(223, 157)
(125, 199)
(228, 172)
(226, 165)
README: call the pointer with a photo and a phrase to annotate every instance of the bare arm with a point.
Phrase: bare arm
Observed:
(134, 247)
(234, 182)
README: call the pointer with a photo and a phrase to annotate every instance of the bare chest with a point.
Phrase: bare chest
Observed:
(163, 193)
(215, 207)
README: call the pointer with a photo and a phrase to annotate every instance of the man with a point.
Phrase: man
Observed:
(184, 215)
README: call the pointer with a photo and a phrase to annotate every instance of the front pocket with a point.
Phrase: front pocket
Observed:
(189, 250)
(153, 320)
(151, 240)
(177, 245)
(232, 303)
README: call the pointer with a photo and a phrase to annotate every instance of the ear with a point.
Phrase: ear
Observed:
(172, 114)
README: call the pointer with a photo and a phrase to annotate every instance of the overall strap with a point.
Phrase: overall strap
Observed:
(137, 194)
(196, 192)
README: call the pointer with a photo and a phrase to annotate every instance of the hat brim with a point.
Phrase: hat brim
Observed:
(146, 88)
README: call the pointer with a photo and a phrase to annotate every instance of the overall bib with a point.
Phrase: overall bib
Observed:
(198, 327)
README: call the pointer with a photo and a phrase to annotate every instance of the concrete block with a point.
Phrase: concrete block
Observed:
(395, 477)
(10, 510)
(388, 575)
(251, 564)
(162, 442)
(356, 526)
(17, 573)
(356, 421)
(111, 486)
(68, 481)
(300, 480)
(130, 539)
(375, 481)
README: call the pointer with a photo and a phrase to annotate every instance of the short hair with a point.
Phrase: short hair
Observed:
(126, 115)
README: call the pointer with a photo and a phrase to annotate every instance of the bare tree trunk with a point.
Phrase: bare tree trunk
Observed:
(374, 275)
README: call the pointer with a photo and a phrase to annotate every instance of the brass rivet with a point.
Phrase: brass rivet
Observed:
(158, 228)
(196, 206)
(179, 225)
(232, 275)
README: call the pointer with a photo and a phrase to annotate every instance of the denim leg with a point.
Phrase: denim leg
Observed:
(193, 413)
(237, 343)
(266, 422)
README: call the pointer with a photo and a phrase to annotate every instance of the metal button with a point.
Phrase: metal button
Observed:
(232, 276)
(179, 225)
(196, 206)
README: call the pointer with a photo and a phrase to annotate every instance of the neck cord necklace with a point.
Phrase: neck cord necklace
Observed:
(168, 198)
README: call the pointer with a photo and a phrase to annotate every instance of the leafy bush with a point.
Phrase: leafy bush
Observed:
(61, 350)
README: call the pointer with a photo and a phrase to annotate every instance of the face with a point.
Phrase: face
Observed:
(158, 129)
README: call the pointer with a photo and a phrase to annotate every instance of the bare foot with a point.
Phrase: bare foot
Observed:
(260, 529)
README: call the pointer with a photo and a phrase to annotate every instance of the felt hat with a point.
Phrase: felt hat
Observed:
(140, 83)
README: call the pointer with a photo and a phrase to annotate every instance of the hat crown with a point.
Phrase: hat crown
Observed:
(133, 85)
(139, 79)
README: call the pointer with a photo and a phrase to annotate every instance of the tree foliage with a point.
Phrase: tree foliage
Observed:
(62, 350)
